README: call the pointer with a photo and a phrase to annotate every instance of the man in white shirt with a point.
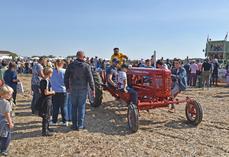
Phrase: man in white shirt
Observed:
(122, 84)
(193, 71)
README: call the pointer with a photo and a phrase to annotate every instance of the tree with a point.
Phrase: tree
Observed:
(13, 55)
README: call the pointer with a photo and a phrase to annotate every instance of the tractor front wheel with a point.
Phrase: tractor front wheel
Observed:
(132, 115)
(194, 112)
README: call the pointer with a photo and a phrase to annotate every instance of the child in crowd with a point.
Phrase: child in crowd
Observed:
(123, 86)
(45, 102)
(6, 122)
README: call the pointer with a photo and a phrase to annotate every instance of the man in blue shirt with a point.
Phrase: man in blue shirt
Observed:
(112, 73)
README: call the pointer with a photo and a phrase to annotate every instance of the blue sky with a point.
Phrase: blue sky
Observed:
(174, 28)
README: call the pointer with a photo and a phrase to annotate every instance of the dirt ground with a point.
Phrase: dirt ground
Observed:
(160, 133)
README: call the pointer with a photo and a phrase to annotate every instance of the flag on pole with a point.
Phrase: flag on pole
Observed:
(226, 37)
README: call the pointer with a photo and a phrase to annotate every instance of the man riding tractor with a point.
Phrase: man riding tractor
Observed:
(112, 74)
(179, 78)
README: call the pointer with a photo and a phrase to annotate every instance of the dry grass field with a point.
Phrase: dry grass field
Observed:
(160, 134)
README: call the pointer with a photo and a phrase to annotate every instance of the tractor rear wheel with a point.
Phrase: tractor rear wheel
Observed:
(132, 115)
(194, 112)
(97, 100)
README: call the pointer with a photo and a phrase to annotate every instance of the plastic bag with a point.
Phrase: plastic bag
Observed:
(20, 88)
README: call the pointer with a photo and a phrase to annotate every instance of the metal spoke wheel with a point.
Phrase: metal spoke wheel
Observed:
(132, 115)
(194, 112)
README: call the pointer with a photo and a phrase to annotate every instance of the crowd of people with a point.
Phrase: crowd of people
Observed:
(62, 86)
(204, 73)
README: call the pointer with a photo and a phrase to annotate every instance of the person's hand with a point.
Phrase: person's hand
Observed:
(125, 90)
(93, 93)
(115, 85)
(68, 90)
(11, 125)
(1, 83)
(53, 92)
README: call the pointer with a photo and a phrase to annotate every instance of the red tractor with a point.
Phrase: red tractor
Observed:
(154, 91)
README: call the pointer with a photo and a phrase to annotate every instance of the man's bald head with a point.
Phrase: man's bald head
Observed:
(80, 55)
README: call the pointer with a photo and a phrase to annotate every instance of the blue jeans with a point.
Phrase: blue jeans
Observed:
(175, 89)
(133, 95)
(68, 108)
(4, 142)
(79, 98)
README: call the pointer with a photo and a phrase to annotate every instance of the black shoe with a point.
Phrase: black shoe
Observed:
(50, 130)
(74, 128)
(47, 134)
(35, 113)
(81, 129)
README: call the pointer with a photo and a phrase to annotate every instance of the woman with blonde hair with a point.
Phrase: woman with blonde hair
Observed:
(57, 81)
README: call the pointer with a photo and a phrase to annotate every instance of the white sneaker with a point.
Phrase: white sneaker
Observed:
(67, 123)
(63, 124)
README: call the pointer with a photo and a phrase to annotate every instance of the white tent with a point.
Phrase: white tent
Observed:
(5, 57)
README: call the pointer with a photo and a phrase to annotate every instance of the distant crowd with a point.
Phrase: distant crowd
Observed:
(194, 68)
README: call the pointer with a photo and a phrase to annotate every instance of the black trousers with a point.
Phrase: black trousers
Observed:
(45, 125)
(45, 110)
(58, 101)
(14, 96)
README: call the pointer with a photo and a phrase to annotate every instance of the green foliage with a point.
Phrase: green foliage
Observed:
(13, 55)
